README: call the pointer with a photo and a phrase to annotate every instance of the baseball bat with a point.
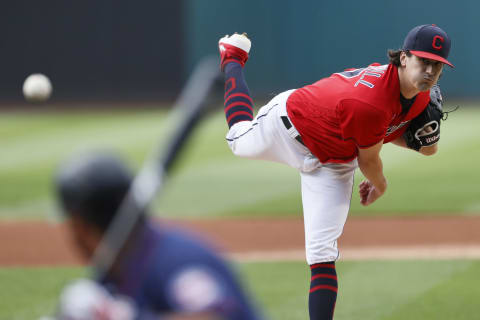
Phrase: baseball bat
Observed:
(188, 110)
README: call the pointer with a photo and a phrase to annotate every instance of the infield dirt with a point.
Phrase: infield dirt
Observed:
(38, 243)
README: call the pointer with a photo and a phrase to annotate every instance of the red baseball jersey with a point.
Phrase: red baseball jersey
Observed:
(353, 109)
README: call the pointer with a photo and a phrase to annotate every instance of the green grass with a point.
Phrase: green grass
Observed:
(210, 181)
(28, 293)
(374, 290)
(31, 154)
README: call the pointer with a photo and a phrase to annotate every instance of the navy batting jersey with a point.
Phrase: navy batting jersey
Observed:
(167, 271)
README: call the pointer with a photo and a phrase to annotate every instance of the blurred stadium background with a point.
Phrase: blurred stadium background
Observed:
(117, 66)
(123, 50)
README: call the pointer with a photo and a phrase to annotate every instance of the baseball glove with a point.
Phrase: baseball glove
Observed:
(424, 130)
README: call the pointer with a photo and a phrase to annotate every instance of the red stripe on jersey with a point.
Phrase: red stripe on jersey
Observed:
(324, 286)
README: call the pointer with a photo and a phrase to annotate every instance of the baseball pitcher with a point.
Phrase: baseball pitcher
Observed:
(329, 128)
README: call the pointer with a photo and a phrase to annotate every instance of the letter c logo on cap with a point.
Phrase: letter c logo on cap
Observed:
(437, 42)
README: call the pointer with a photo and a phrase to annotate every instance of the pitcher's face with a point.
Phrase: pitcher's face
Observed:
(422, 73)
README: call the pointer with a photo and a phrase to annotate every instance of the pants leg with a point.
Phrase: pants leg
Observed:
(326, 195)
(267, 138)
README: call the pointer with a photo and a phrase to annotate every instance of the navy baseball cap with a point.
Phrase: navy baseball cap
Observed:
(428, 41)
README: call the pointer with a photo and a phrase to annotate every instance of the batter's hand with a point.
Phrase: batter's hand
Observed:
(368, 193)
(84, 299)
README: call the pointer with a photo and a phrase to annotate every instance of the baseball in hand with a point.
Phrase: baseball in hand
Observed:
(37, 88)
(368, 193)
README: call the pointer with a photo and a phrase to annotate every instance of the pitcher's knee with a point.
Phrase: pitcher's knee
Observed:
(244, 150)
(243, 141)
(321, 253)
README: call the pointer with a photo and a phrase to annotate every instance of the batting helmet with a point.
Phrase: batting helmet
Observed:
(93, 187)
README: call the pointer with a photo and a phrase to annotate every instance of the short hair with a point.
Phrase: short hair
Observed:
(394, 56)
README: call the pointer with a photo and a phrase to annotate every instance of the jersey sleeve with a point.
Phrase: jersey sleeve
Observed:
(362, 122)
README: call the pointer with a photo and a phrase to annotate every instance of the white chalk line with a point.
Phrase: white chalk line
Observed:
(419, 252)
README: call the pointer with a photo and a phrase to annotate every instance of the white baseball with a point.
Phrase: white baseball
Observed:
(37, 87)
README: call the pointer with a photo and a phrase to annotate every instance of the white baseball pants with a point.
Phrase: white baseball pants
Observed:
(326, 188)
